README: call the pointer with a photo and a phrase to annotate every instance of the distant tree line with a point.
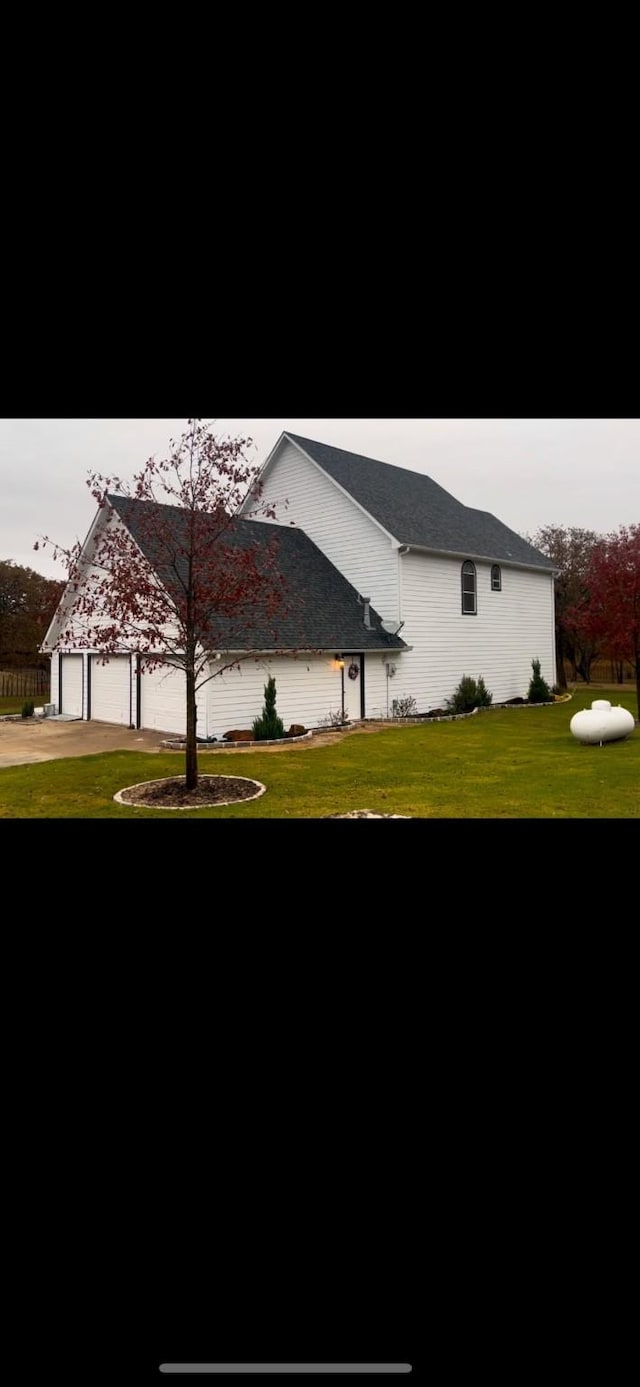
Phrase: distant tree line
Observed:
(28, 601)
(597, 590)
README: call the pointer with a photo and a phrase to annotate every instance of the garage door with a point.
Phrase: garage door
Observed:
(71, 685)
(111, 690)
(163, 700)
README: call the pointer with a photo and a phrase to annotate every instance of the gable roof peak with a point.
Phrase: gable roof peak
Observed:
(417, 511)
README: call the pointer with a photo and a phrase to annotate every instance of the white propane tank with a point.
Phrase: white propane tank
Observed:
(602, 723)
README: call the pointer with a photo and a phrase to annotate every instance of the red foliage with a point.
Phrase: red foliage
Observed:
(191, 581)
(611, 609)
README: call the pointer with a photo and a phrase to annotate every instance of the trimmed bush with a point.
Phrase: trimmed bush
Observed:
(469, 694)
(404, 708)
(539, 691)
(268, 727)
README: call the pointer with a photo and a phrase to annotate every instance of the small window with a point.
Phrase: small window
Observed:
(469, 605)
(496, 578)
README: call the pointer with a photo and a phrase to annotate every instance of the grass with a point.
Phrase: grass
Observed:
(15, 705)
(519, 763)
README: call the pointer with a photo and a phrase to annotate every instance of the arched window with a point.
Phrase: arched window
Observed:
(469, 604)
(496, 578)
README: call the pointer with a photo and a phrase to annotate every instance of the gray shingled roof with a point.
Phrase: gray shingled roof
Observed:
(322, 608)
(416, 510)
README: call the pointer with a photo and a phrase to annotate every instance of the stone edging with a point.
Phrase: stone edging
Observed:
(17, 717)
(181, 808)
(231, 746)
(457, 717)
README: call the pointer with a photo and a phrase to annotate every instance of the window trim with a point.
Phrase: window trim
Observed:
(496, 570)
(469, 571)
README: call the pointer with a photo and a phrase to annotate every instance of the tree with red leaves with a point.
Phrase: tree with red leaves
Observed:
(611, 611)
(181, 578)
(569, 549)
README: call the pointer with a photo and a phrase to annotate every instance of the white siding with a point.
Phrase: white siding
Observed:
(511, 628)
(336, 524)
(308, 689)
(67, 617)
(377, 684)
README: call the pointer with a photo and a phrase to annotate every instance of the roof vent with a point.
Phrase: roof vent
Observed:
(367, 611)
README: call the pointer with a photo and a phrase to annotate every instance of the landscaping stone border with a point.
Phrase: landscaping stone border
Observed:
(457, 717)
(17, 717)
(183, 808)
(226, 746)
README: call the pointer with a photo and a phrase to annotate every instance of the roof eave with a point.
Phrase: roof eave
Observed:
(47, 648)
(406, 548)
(250, 499)
(348, 644)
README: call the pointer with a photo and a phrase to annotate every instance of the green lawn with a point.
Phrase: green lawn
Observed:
(520, 763)
(15, 705)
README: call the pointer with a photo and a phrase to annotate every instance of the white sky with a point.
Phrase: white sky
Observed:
(528, 472)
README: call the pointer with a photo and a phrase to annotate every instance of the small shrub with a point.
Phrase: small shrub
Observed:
(404, 708)
(539, 691)
(469, 695)
(27, 708)
(268, 727)
(485, 699)
(333, 720)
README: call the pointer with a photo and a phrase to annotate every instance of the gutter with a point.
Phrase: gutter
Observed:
(315, 650)
(404, 549)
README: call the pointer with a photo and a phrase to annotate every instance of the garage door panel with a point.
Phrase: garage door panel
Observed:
(71, 685)
(163, 700)
(111, 690)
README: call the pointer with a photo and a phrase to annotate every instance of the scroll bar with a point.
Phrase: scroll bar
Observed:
(285, 1367)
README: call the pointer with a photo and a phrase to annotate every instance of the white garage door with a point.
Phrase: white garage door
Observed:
(163, 700)
(71, 685)
(111, 690)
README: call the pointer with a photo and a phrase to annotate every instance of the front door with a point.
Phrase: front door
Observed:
(353, 675)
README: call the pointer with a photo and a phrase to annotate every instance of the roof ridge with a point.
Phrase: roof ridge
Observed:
(416, 510)
(379, 462)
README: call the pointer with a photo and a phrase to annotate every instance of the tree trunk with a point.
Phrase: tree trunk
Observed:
(191, 762)
(561, 678)
(584, 668)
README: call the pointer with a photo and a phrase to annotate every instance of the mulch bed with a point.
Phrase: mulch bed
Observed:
(366, 814)
(173, 794)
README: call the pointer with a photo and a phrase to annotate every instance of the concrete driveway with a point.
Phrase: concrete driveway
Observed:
(40, 739)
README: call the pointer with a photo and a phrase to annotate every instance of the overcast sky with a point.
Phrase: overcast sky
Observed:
(528, 472)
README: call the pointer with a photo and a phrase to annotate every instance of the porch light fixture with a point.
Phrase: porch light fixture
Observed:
(339, 662)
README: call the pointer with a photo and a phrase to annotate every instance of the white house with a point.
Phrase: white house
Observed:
(399, 590)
